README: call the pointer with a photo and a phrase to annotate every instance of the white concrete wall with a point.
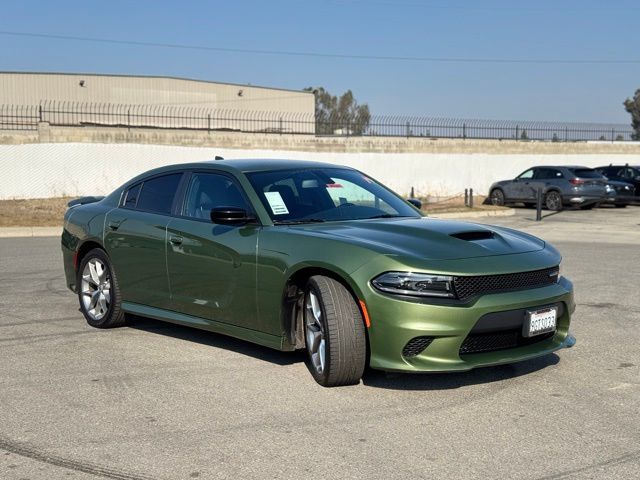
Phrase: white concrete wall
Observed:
(75, 169)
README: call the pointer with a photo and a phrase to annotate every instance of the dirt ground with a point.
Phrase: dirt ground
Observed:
(48, 212)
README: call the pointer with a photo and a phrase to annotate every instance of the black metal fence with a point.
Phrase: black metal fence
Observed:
(27, 117)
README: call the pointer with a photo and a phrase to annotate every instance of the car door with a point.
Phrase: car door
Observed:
(518, 189)
(135, 239)
(212, 267)
(546, 178)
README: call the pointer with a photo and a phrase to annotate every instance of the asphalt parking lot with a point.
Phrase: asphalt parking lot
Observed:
(158, 401)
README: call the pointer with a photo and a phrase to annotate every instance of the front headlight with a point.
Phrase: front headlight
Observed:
(416, 284)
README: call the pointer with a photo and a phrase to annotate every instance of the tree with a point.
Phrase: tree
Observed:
(555, 138)
(632, 105)
(339, 115)
(523, 135)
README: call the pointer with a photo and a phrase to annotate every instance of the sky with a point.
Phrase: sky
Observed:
(389, 53)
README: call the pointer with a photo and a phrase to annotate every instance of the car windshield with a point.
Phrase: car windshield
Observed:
(325, 194)
(585, 173)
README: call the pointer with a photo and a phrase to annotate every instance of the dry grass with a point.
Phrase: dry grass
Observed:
(456, 204)
(38, 212)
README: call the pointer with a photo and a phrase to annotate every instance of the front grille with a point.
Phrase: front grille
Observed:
(469, 287)
(416, 346)
(490, 342)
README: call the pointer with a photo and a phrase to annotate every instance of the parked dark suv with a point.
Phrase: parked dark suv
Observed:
(623, 173)
(561, 185)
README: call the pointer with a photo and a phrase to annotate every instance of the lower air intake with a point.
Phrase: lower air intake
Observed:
(490, 342)
(416, 346)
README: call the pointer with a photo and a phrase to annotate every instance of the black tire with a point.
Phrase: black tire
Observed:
(345, 346)
(621, 205)
(497, 197)
(553, 201)
(113, 316)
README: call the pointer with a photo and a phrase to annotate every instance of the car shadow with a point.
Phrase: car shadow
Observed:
(216, 340)
(372, 378)
(453, 380)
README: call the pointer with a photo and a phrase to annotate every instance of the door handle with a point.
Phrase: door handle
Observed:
(113, 225)
(175, 240)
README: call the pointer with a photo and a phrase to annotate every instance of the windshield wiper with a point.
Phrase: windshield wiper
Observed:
(298, 221)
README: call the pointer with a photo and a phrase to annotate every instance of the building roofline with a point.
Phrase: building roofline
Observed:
(168, 77)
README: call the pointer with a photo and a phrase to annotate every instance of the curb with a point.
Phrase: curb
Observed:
(21, 232)
(484, 213)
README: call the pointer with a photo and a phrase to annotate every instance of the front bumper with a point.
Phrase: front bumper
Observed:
(394, 322)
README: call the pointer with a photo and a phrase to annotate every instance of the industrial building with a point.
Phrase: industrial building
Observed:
(23, 88)
(154, 101)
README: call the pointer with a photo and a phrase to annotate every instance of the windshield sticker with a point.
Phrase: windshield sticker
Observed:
(276, 203)
(334, 185)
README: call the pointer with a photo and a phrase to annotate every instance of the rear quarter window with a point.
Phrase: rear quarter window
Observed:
(131, 197)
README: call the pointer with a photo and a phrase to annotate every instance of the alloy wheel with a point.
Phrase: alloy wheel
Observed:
(553, 201)
(497, 197)
(96, 288)
(314, 330)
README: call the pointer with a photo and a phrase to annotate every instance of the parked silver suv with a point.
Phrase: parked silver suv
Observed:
(561, 186)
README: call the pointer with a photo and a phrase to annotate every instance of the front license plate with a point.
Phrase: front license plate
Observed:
(540, 321)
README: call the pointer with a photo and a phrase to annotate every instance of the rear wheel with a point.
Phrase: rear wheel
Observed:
(98, 291)
(334, 333)
(497, 197)
(553, 201)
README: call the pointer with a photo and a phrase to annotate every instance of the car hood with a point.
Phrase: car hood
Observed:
(427, 238)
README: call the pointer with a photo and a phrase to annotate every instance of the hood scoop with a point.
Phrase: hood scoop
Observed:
(472, 236)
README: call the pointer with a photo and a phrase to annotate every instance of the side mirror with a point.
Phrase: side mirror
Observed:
(231, 216)
(415, 202)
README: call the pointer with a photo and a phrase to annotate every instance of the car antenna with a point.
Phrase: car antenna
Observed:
(218, 157)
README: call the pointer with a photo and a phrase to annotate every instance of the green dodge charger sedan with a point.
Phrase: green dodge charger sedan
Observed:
(305, 255)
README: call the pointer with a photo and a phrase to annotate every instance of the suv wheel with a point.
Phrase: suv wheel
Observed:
(497, 197)
(553, 201)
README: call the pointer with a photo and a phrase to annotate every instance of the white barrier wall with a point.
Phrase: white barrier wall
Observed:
(76, 169)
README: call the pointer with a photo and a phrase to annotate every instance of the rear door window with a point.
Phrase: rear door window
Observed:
(158, 193)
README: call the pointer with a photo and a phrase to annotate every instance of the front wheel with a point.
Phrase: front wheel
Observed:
(497, 197)
(334, 333)
(98, 291)
(553, 201)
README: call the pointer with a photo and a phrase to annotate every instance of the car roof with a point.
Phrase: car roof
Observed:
(266, 164)
(236, 166)
(562, 166)
(613, 165)
(245, 165)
